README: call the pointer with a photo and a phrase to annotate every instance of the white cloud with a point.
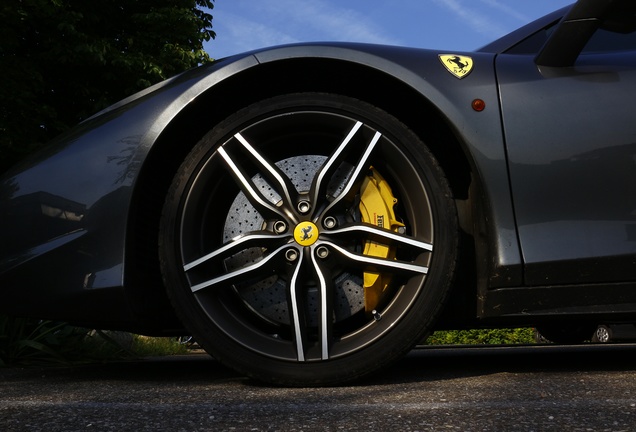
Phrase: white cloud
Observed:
(242, 34)
(272, 22)
(331, 21)
(507, 9)
(478, 21)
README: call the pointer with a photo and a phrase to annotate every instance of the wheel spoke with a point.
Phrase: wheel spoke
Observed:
(354, 182)
(378, 265)
(325, 290)
(259, 270)
(297, 310)
(324, 175)
(261, 239)
(262, 204)
(321, 181)
(380, 235)
(297, 300)
(274, 175)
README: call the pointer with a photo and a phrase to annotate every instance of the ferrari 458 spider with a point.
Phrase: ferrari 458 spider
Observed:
(311, 212)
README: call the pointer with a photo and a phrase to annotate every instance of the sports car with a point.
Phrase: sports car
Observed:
(311, 212)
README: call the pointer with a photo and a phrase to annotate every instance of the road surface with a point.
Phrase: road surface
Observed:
(520, 388)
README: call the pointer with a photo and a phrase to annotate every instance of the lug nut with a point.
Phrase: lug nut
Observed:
(304, 207)
(322, 252)
(291, 255)
(329, 222)
(280, 227)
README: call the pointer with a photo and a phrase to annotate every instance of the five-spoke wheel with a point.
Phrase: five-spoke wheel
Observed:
(309, 239)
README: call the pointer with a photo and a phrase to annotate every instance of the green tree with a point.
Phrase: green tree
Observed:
(63, 60)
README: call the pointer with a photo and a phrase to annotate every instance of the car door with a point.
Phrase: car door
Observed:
(571, 141)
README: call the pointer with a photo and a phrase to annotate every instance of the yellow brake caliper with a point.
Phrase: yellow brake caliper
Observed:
(376, 207)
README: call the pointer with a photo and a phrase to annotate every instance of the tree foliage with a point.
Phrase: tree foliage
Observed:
(63, 60)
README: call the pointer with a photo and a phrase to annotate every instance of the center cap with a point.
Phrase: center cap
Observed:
(306, 233)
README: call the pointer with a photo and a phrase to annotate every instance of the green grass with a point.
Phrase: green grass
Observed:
(29, 342)
(482, 336)
(145, 346)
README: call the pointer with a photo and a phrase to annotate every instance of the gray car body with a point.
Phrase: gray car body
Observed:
(544, 180)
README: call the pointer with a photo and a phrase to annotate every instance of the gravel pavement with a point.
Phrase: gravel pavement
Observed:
(532, 388)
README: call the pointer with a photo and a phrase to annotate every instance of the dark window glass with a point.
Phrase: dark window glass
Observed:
(602, 41)
(532, 44)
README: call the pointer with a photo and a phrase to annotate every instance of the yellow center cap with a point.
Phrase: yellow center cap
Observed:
(306, 233)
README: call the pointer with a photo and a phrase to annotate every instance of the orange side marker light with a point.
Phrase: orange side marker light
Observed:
(478, 105)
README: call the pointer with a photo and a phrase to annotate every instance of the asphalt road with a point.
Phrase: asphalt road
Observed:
(530, 388)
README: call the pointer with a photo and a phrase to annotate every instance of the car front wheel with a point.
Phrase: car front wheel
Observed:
(309, 239)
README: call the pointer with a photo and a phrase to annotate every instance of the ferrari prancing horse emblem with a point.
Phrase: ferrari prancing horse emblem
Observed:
(306, 233)
(459, 66)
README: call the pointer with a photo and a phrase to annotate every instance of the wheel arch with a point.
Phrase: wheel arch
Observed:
(353, 79)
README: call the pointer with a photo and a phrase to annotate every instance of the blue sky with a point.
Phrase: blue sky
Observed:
(460, 25)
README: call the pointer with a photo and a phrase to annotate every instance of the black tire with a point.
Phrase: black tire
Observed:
(295, 310)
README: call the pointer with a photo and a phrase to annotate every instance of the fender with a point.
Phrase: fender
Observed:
(121, 138)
